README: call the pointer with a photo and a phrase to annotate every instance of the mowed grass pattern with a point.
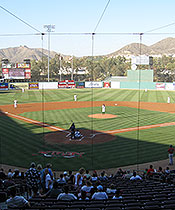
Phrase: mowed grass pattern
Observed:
(21, 142)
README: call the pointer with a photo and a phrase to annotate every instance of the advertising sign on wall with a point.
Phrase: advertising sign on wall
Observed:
(48, 85)
(106, 85)
(160, 86)
(115, 84)
(93, 84)
(169, 86)
(33, 85)
(66, 84)
(16, 73)
(3, 86)
(80, 84)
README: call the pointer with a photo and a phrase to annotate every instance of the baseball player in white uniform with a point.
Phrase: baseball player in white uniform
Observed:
(15, 103)
(75, 97)
(168, 100)
(103, 109)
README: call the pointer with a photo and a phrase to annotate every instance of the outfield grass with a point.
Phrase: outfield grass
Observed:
(30, 96)
(21, 142)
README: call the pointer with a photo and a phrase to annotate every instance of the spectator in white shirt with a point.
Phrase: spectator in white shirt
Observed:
(135, 177)
(100, 195)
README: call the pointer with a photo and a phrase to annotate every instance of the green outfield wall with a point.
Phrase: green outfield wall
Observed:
(138, 85)
(140, 76)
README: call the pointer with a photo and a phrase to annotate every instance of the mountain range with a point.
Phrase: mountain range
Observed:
(163, 47)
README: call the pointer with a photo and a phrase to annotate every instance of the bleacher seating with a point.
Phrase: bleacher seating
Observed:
(141, 194)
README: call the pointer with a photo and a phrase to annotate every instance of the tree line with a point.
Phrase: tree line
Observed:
(98, 68)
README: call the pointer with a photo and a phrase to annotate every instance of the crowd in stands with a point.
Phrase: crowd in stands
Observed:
(22, 188)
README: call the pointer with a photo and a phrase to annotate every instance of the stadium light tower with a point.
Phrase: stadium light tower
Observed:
(50, 28)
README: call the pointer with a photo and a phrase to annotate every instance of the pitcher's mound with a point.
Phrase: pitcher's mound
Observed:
(102, 116)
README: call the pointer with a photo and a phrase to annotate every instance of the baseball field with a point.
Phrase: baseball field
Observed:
(138, 127)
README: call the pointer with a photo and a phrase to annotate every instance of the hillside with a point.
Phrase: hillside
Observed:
(163, 47)
(18, 54)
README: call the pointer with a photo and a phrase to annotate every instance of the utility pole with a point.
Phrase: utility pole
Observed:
(49, 28)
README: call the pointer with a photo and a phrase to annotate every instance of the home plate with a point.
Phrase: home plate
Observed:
(6, 112)
(115, 104)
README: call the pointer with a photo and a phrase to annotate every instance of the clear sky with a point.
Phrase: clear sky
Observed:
(71, 16)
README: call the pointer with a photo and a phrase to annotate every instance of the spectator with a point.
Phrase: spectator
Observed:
(16, 174)
(167, 170)
(170, 154)
(127, 174)
(48, 180)
(71, 178)
(66, 196)
(118, 194)
(48, 167)
(87, 176)
(94, 177)
(8, 182)
(61, 180)
(66, 177)
(83, 196)
(16, 201)
(87, 188)
(150, 171)
(39, 170)
(135, 177)
(160, 170)
(111, 189)
(32, 179)
(2, 174)
(1, 184)
(79, 177)
(10, 173)
(100, 195)
(54, 192)
(102, 177)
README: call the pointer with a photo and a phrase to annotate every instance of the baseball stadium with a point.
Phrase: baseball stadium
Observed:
(87, 119)
(136, 122)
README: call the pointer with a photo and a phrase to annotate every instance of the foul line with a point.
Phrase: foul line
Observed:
(140, 128)
(50, 127)
(55, 128)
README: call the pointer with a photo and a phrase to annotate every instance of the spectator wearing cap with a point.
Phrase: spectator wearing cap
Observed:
(100, 194)
(32, 176)
(170, 154)
(16, 201)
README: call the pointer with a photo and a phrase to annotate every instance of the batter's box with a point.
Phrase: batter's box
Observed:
(88, 137)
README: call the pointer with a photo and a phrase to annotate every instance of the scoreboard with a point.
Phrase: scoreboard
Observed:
(16, 70)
